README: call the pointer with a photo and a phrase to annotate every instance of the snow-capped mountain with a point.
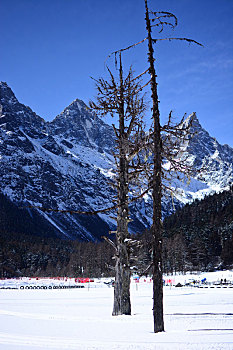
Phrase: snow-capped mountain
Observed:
(213, 162)
(67, 164)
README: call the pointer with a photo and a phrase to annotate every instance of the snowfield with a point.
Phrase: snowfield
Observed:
(195, 318)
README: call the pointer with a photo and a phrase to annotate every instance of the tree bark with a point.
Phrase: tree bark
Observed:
(122, 305)
(156, 190)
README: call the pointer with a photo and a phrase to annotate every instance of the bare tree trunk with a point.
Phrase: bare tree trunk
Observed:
(156, 191)
(122, 305)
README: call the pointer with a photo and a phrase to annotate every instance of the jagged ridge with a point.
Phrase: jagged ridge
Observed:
(67, 163)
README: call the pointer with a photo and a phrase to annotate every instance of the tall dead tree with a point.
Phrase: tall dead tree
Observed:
(160, 19)
(120, 97)
(156, 190)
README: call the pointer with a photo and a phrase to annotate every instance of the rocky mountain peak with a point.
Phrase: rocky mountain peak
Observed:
(78, 105)
(193, 121)
(213, 161)
(15, 115)
(78, 123)
(76, 110)
(7, 96)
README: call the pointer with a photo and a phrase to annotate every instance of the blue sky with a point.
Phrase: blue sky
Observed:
(49, 50)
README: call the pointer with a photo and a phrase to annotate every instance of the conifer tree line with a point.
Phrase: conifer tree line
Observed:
(197, 237)
(200, 235)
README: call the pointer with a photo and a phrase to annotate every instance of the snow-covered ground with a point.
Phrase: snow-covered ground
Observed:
(195, 318)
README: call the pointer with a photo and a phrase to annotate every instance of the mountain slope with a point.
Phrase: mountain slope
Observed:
(17, 221)
(68, 163)
(41, 168)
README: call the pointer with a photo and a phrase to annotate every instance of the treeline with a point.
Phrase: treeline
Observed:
(200, 235)
(22, 255)
(197, 237)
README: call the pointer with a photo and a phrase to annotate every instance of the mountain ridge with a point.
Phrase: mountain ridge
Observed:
(66, 164)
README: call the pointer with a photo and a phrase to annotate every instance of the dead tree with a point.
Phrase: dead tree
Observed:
(120, 97)
(156, 190)
(160, 20)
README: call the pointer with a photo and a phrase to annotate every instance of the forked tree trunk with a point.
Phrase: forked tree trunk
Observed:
(156, 191)
(122, 305)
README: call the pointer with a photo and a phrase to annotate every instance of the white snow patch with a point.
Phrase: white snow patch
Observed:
(88, 124)
(53, 223)
(195, 319)
(215, 155)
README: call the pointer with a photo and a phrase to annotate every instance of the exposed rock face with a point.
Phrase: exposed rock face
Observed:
(68, 163)
(215, 159)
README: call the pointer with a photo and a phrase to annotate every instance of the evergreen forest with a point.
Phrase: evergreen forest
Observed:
(197, 237)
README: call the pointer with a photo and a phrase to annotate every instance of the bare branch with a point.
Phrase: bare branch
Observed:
(141, 88)
(147, 269)
(110, 242)
(161, 17)
(127, 48)
(140, 75)
(190, 41)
